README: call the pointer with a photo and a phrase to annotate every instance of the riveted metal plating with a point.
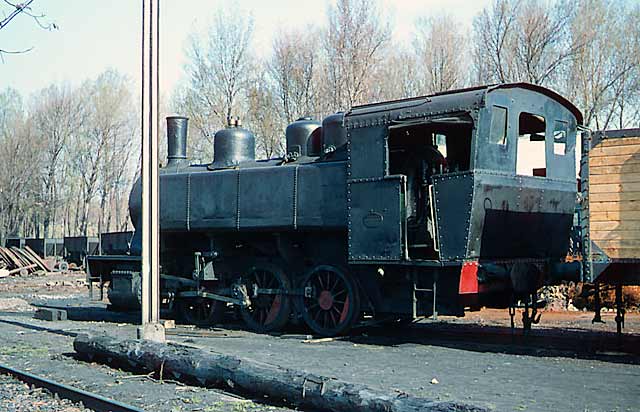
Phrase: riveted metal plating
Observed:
(238, 200)
(295, 197)
(188, 203)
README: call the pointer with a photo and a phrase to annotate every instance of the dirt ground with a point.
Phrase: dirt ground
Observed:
(419, 359)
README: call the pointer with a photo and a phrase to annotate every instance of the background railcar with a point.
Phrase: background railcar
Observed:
(610, 213)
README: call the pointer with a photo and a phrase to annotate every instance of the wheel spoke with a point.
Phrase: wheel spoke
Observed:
(335, 284)
(333, 318)
(335, 295)
(327, 310)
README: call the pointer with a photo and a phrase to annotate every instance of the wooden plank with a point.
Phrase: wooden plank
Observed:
(619, 243)
(18, 254)
(600, 235)
(614, 150)
(622, 253)
(628, 205)
(615, 216)
(10, 257)
(614, 188)
(36, 259)
(614, 160)
(614, 178)
(617, 226)
(605, 170)
(619, 141)
(614, 197)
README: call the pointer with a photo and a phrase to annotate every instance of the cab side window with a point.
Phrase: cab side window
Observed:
(560, 138)
(498, 131)
(531, 158)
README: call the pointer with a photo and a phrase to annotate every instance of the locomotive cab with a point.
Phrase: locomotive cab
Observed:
(466, 174)
(473, 187)
(420, 152)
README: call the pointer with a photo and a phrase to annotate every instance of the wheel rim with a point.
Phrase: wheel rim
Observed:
(199, 311)
(266, 312)
(331, 305)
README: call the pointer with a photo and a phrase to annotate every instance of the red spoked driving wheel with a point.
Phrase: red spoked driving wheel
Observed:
(331, 304)
(268, 289)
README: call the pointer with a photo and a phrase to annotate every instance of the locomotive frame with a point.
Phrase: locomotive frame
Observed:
(365, 215)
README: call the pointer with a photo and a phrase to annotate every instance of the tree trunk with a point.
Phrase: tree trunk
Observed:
(255, 378)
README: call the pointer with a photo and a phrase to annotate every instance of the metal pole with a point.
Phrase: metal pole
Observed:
(151, 328)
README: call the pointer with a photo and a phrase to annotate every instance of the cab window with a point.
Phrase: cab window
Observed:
(530, 158)
(498, 132)
(560, 138)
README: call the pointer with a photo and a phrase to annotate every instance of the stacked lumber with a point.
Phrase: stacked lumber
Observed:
(614, 195)
(20, 261)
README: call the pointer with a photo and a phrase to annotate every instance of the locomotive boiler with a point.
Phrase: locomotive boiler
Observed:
(392, 210)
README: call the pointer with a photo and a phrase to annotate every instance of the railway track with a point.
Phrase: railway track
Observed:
(87, 399)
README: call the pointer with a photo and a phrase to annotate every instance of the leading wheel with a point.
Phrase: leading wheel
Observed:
(331, 304)
(268, 288)
(200, 311)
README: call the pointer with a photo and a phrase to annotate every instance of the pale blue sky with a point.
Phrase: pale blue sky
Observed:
(94, 35)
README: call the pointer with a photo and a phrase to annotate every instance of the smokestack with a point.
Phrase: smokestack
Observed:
(177, 140)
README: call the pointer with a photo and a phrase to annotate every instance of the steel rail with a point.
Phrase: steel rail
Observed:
(89, 400)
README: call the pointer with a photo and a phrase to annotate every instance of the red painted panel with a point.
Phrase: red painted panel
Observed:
(468, 278)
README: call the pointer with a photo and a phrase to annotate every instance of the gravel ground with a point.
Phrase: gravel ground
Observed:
(51, 355)
(16, 396)
(501, 377)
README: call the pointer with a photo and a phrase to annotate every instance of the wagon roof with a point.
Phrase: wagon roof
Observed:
(462, 98)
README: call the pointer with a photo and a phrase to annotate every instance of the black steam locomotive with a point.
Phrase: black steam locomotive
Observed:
(398, 210)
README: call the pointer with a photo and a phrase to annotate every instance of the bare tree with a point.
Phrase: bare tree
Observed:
(397, 76)
(203, 121)
(604, 78)
(263, 119)
(98, 149)
(524, 41)
(11, 10)
(493, 39)
(56, 117)
(354, 43)
(294, 67)
(20, 153)
(440, 50)
(220, 68)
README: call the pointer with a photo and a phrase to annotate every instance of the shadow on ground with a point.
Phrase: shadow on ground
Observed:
(540, 342)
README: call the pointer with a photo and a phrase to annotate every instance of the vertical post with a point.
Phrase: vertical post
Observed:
(619, 312)
(434, 290)
(597, 316)
(151, 328)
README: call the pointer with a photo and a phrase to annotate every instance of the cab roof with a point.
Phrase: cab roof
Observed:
(462, 99)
